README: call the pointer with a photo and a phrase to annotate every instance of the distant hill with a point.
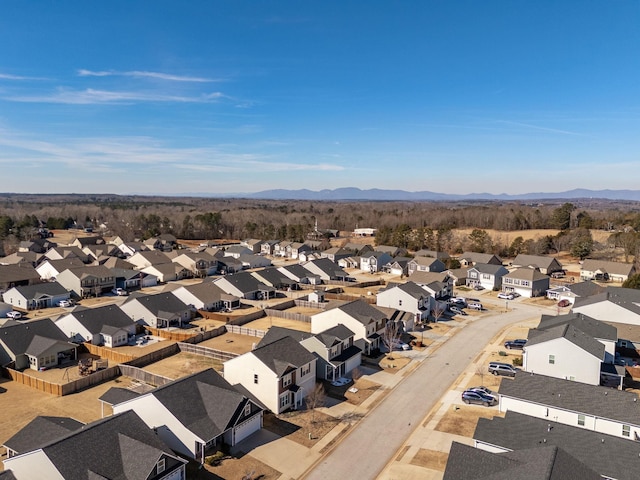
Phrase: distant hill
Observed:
(351, 193)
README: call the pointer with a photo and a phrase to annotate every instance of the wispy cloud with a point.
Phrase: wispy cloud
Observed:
(92, 96)
(537, 127)
(144, 74)
(8, 76)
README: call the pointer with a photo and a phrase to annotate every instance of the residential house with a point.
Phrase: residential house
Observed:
(570, 347)
(131, 280)
(37, 344)
(407, 297)
(391, 250)
(300, 274)
(443, 256)
(280, 374)
(98, 252)
(250, 261)
(40, 431)
(273, 277)
(364, 232)
(26, 258)
(147, 258)
(373, 262)
(357, 248)
(205, 296)
(349, 262)
(158, 311)
(336, 253)
(244, 285)
(32, 297)
(438, 284)
(121, 446)
(326, 269)
(608, 455)
(486, 276)
(615, 305)
(116, 262)
(536, 463)
(602, 270)
(253, 244)
(168, 272)
(573, 291)
(131, 248)
(280, 248)
(88, 281)
(197, 414)
(268, 247)
(367, 322)
(294, 249)
(16, 275)
(37, 245)
(469, 259)
(50, 269)
(199, 264)
(526, 281)
(398, 266)
(236, 250)
(425, 264)
(601, 409)
(544, 264)
(82, 242)
(229, 265)
(64, 252)
(107, 325)
(458, 275)
(164, 243)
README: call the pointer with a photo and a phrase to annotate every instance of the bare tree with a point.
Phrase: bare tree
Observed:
(391, 337)
(315, 398)
(356, 374)
(438, 310)
(481, 370)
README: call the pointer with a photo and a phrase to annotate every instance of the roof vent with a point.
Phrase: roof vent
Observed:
(549, 428)
(544, 440)
(603, 440)
(606, 393)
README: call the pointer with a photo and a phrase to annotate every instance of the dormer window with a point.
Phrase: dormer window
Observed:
(247, 409)
(160, 466)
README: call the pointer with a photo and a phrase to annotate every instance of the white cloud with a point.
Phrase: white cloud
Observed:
(143, 74)
(92, 96)
(8, 76)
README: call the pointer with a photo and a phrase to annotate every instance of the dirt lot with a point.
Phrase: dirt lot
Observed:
(298, 424)
(265, 323)
(463, 421)
(432, 459)
(183, 364)
(232, 342)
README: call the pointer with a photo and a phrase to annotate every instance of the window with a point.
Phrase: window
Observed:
(305, 369)
(247, 409)
(286, 381)
(400, 303)
(255, 378)
(581, 420)
(160, 466)
(284, 400)
(552, 359)
(626, 431)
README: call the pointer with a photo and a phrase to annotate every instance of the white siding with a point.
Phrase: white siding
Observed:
(242, 370)
(569, 361)
(32, 466)
(73, 329)
(609, 312)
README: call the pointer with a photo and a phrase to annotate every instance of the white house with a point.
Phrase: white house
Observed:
(425, 264)
(592, 269)
(158, 311)
(203, 296)
(374, 261)
(31, 297)
(280, 374)
(107, 325)
(526, 281)
(407, 297)
(486, 275)
(617, 305)
(573, 291)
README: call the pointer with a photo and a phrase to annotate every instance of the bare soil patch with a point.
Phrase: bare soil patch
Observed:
(237, 467)
(365, 389)
(492, 382)
(232, 342)
(183, 364)
(463, 421)
(302, 426)
(393, 362)
(265, 323)
(431, 459)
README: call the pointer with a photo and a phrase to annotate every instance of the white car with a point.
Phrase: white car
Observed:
(506, 296)
(65, 303)
(121, 292)
(15, 315)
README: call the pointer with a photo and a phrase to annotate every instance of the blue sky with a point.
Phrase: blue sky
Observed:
(155, 97)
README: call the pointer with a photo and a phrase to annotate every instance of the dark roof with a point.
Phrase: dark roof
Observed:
(41, 430)
(615, 268)
(126, 273)
(489, 268)
(277, 333)
(298, 270)
(329, 267)
(363, 312)
(283, 354)
(588, 325)
(18, 273)
(64, 264)
(628, 298)
(41, 289)
(539, 261)
(608, 455)
(526, 273)
(205, 403)
(118, 447)
(476, 257)
(410, 288)
(7, 475)
(541, 463)
(571, 333)
(40, 345)
(205, 292)
(18, 338)
(160, 302)
(585, 289)
(273, 276)
(245, 282)
(334, 335)
(602, 402)
(94, 319)
(116, 395)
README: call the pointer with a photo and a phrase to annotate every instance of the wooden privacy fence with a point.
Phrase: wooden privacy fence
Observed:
(307, 304)
(299, 317)
(144, 376)
(108, 353)
(247, 318)
(245, 331)
(206, 335)
(207, 352)
(154, 356)
(349, 298)
(173, 335)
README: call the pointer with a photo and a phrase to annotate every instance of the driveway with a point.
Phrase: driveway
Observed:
(374, 441)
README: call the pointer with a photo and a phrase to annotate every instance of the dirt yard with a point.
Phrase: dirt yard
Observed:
(183, 364)
(236, 467)
(431, 459)
(394, 362)
(232, 342)
(365, 389)
(298, 424)
(463, 421)
(265, 323)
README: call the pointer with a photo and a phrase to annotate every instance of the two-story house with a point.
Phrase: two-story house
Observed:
(526, 281)
(107, 325)
(544, 264)
(158, 311)
(486, 276)
(407, 297)
(373, 262)
(89, 281)
(425, 264)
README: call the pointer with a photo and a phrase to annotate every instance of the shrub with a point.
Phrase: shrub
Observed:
(502, 353)
(517, 362)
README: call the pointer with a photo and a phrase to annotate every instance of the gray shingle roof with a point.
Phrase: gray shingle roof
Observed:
(585, 289)
(334, 335)
(588, 325)
(41, 289)
(40, 345)
(541, 463)
(283, 355)
(612, 456)
(363, 312)
(329, 267)
(602, 402)
(628, 298)
(526, 273)
(278, 333)
(571, 333)
(94, 319)
(615, 268)
(160, 302)
(116, 395)
(489, 268)
(206, 292)
(41, 430)
(539, 261)
(245, 282)
(18, 338)
(18, 273)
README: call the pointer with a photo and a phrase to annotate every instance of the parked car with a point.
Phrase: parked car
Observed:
(559, 274)
(505, 369)
(121, 292)
(65, 303)
(341, 382)
(517, 344)
(564, 303)
(477, 397)
(401, 346)
(475, 305)
(478, 287)
(13, 314)
(457, 310)
(483, 390)
(506, 296)
(459, 301)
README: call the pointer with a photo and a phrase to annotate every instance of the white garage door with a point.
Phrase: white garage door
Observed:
(175, 475)
(246, 428)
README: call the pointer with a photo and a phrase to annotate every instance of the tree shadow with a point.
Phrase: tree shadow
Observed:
(279, 426)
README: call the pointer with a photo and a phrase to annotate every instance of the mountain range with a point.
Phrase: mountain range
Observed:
(351, 193)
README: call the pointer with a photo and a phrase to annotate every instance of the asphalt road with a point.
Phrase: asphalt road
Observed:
(374, 441)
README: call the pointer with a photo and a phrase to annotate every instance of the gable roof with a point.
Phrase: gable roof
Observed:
(277, 333)
(95, 319)
(588, 325)
(39, 290)
(426, 261)
(245, 282)
(540, 261)
(585, 289)
(336, 334)
(628, 298)
(603, 402)
(541, 463)
(327, 266)
(426, 278)
(19, 272)
(432, 253)
(526, 273)
(476, 257)
(282, 355)
(608, 455)
(160, 302)
(489, 268)
(411, 288)
(273, 276)
(362, 312)
(571, 333)
(206, 292)
(18, 338)
(616, 268)
(40, 430)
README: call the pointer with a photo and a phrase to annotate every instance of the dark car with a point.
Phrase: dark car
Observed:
(483, 390)
(478, 398)
(564, 303)
(515, 344)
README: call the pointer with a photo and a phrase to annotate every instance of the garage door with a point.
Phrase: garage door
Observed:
(246, 428)
(175, 475)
